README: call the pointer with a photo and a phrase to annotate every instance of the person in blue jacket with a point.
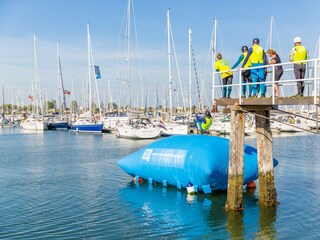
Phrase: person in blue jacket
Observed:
(205, 122)
(246, 78)
(257, 57)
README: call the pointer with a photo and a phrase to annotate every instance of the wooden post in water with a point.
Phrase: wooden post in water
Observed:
(267, 190)
(236, 160)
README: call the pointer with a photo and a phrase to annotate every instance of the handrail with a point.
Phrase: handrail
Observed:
(315, 79)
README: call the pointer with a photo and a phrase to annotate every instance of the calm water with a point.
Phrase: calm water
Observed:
(60, 185)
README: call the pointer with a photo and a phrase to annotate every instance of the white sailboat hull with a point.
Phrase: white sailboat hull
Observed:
(174, 129)
(292, 129)
(34, 124)
(111, 123)
(137, 133)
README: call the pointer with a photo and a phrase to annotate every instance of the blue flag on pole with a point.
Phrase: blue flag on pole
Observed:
(97, 72)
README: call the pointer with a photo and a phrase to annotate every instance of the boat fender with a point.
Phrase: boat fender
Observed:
(190, 188)
(137, 179)
(251, 185)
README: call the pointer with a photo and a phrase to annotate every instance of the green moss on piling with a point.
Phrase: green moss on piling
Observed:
(267, 190)
(235, 193)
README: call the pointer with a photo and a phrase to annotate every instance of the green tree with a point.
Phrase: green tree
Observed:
(51, 104)
(112, 105)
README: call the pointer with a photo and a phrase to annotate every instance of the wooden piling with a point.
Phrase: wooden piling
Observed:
(236, 160)
(267, 190)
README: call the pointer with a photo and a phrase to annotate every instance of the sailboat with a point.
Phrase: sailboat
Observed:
(35, 120)
(171, 128)
(85, 123)
(136, 126)
(57, 122)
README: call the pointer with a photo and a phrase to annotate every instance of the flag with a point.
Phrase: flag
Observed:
(66, 92)
(30, 97)
(97, 72)
(161, 124)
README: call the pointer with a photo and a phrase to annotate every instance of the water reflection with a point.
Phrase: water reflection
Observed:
(254, 222)
(235, 224)
(167, 210)
(267, 220)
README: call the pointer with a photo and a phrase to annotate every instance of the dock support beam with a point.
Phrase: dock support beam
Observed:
(267, 190)
(236, 160)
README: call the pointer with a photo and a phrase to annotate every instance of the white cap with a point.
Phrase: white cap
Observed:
(297, 39)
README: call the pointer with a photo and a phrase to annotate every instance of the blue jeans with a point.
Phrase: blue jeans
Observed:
(257, 75)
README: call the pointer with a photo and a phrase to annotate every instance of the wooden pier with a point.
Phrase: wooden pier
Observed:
(261, 108)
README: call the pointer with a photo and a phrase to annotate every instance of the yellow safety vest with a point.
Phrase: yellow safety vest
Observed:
(206, 126)
(221, 66)
(299, 53)
(257, 54)
(248, 63)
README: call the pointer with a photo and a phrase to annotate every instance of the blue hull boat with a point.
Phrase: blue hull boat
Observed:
(199, 159)
(62, 126)
(87, 128)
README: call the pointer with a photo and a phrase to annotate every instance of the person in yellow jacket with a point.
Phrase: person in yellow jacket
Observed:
(257, 57)
(246, 78)
(204, 123)
(222, 66)
(297, 55)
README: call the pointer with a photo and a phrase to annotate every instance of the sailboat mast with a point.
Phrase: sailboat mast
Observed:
(169, 65)
(60, 81)
(190, 78)
(72, 102)
(36, 74)
(129, 39)
(2, 101)
(89, 72)
(319, 47)
(214, 44)
(271, 30)
(110, 97)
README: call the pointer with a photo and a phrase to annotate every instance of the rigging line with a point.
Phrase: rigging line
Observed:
(211, 49)
(316, 49)
(268, 41)
(221, 43)
(196, 73)
(177, 65)
(123, 28)
(220, 39)
(288, 124)
(205, 71)
(277, 36)
(121, 63)
(137, 45)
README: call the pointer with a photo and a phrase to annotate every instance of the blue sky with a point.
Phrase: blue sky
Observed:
(65, 22)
